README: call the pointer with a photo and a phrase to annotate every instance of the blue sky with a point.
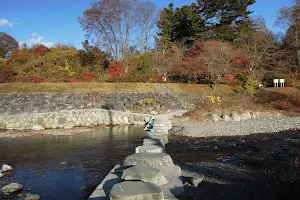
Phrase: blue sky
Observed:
(52, 21)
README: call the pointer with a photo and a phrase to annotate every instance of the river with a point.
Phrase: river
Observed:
(66, 167)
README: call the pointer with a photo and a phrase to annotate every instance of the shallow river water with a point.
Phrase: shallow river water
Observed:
(264, 166)
(66, 167)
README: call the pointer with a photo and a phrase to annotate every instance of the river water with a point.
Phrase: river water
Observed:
(66, 167)
(70, 167)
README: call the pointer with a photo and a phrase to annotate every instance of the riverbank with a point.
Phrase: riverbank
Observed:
(271, 124)
(260, 166)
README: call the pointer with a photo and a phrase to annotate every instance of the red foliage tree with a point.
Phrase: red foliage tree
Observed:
(39, 50)
(241, 64)
(89, 76)
(115, 69)
(213, 58)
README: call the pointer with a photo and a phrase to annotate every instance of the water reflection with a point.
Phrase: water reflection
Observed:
(67, 167)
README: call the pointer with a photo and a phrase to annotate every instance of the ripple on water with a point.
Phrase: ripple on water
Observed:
(66, 167)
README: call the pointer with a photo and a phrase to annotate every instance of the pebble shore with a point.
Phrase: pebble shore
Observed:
(237, 128)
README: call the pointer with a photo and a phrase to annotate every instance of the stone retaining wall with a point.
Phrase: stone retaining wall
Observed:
(71, 118)
(41, 103)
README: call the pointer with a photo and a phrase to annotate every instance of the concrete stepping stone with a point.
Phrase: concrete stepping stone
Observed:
(159, 136)
(155, 160)
(149, 142)
(130, 190)
(161, 132)
(174, 186)
(103, 189)
(160, 128)
(144, 173)
(150, 149)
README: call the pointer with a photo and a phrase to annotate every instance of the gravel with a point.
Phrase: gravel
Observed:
(232, 128)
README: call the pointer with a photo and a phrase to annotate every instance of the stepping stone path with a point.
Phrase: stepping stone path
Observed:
(136, 191)
(155, 160)
(146, 174)
(149, 174)
(150, 149)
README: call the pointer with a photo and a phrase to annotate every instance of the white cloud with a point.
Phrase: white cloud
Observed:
(37, 39)
(6, 22)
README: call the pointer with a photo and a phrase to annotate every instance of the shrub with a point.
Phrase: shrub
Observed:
(2, 63)
(251, 85)
(268, 79)
(240, 77)
(89, 76)
(74, 80)
(115, 69)
(140, 69)
(31, 79)
(229, 77)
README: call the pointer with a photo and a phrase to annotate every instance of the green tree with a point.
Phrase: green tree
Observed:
(226, 17)
(218, 19)
(180, 24)
(165, 25)
(188, 23)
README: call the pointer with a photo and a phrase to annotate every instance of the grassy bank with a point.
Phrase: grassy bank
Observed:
(16, 88)
(86, 87)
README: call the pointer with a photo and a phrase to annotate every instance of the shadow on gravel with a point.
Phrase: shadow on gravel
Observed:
(264, 166)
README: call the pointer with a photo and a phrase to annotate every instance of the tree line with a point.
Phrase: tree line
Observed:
(203, 42)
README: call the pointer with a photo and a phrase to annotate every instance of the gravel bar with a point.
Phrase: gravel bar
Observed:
(233, 128)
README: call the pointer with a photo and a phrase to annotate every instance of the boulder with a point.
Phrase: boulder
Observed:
(1, 174)
(130, 190)
(29, 196)
(146, 174)
(235, 117)
(37, 128)
(215, 117)
(245, 115)
(150, 149)
(153, 112)
(194, 181)
(226, 118)
(6, 168)
(11, 188)
(155, 160)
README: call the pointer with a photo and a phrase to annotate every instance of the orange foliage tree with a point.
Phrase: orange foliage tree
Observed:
(39, 50)
(211, 58)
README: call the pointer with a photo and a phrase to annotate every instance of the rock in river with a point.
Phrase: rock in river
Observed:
(30, 196)
(11, 188)
(6, 168)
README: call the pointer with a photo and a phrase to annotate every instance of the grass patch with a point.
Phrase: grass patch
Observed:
(200, 89)
(17, 88)
(284, 90)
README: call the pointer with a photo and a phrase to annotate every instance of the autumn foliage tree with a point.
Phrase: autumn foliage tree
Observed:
(115, 69)
(289, 20)
(257, 49)
(211, 58)
(112, 25)
(39, 50)
(8, 44)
